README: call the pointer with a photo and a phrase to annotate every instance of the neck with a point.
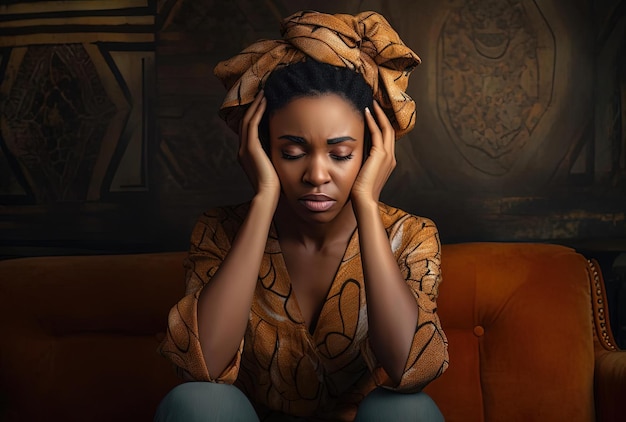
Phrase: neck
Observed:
(314, 236)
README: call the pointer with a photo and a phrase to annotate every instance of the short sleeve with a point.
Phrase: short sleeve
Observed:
(416, 246)
(210, 241)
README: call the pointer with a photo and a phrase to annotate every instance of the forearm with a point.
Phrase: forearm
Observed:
(224, 303)
(391, 307)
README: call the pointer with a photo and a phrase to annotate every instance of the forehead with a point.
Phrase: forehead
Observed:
(322, 113)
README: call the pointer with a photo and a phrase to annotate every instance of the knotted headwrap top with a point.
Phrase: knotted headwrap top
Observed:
(365, 43)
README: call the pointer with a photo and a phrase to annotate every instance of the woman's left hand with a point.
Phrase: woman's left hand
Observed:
(381, 161)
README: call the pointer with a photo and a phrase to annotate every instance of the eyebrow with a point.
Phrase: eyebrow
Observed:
(339, 140)
(302, 141)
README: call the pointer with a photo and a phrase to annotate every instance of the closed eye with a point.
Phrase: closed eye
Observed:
(291, 156)
(342, 157)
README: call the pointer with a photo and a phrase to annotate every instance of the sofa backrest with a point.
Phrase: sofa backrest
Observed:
(79, 335)
(519, 325)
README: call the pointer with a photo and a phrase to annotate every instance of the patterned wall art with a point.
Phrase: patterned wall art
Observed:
(75, 79)
(109, 125)
(498, 172)
(495, 77)
(504, 116)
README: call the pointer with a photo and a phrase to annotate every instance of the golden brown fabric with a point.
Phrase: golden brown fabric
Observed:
(365, 43)
(280, 365)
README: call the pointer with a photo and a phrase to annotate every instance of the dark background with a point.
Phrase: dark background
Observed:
(110, 140)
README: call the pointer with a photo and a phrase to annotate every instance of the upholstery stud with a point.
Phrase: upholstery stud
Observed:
(479, 331)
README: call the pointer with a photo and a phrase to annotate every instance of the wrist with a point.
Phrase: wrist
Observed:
(266, 199)
(362, 205)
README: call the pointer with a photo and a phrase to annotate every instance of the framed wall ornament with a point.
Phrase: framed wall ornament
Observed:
(495, 78)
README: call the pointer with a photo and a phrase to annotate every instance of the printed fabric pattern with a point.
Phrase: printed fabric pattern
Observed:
(365, 43)
(280, 365)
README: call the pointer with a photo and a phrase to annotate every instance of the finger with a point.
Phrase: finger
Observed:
(377, 140)
(385, 124)
(245, 122)
(253, 106)
(388, 133)
(253, 126)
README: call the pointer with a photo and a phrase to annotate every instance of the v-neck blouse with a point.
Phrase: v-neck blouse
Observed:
(284, 279)
(283, 367)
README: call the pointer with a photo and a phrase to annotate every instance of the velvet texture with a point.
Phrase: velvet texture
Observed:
(520, 334)
(79, 336)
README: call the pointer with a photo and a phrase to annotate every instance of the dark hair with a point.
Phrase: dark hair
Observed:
(311, 79)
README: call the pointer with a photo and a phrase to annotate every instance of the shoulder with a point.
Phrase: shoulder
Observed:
(227, 212)
(395, 219)
(409, 234)
(226, 219)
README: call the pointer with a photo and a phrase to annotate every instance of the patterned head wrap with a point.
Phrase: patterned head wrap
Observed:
(365, 43)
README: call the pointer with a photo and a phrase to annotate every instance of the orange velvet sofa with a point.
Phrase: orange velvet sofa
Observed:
(527, 326)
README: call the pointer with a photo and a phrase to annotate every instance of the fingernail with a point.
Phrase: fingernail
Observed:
(367, 110)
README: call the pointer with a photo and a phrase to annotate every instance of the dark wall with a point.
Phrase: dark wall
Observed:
(110, 141)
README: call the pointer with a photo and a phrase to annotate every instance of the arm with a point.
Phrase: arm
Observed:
(400, 290)
(610, 383)
(206, 327)
(224, 304)
(391, 308)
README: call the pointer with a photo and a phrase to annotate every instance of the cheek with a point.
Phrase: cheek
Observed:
(350, 174)
(282, 173)
(288, 175)
(278, 162)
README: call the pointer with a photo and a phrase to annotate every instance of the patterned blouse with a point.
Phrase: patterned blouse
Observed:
(280, 365)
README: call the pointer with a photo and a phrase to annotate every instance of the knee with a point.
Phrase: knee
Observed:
(382, 404)
(428, 409)
(189, 394)
(204, 401)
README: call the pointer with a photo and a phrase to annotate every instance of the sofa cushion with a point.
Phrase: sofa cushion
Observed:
(80, 336)
(518, 320)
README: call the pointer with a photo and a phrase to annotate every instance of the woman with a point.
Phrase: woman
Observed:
(314, 299)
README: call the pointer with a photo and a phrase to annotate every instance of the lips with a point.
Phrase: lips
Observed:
(317, 202)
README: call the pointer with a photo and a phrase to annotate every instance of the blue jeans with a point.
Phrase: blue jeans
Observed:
(210, 402)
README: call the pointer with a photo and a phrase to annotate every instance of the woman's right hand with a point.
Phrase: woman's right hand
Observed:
(224, 303)
(252, 157)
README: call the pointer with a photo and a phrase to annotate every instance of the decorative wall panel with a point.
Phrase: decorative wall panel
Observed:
(109, 134)
(495, 75)
(56, 117)
(74, 116)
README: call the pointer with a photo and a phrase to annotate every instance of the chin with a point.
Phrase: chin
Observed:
(321, 218)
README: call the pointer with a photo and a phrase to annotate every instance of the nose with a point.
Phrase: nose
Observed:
(316, 173)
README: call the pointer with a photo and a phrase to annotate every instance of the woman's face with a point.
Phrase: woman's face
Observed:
(316, 146)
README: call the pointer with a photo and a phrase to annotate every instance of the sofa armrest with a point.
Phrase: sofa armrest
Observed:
(610, 385)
